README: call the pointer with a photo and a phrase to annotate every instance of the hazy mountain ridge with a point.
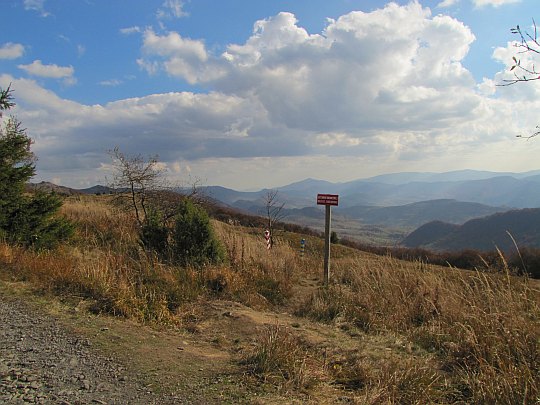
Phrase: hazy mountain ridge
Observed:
(483, 234)
(396, 203)
(48, 187)
(511, 190)
(416, 214)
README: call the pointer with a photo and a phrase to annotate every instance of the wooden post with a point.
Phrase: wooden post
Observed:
(328, 220)
(327, 200)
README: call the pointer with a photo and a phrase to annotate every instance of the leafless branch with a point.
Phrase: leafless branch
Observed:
(136, 180)
(534, 134)
(528, 43)
(140, 186)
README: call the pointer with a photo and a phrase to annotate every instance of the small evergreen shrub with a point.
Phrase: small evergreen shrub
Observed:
(154, 235)
(33, 224)
(193, 240)
(29, 221)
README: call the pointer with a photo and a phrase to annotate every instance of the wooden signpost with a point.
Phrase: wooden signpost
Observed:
(328, 200)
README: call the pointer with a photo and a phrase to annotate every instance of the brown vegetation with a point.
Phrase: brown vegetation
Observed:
(384, 331)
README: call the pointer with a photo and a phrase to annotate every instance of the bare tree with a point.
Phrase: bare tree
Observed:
(135, 181)
(528, 43)
(141, 186)
(274, 213)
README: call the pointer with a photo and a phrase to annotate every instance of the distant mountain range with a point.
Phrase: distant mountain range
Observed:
(511, 190)
(385, 209)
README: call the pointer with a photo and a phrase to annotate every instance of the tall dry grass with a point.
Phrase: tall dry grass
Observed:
(106, 265)
(483, 328)
(279, 356)
(256, 276)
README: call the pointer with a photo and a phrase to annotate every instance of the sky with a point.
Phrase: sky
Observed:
(252, 94)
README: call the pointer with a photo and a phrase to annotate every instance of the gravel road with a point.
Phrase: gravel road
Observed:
(43, 363)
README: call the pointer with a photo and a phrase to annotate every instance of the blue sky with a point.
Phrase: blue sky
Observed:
(261, 93)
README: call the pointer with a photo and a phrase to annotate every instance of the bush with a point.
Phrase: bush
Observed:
(32, 222)
(527, 261)
(154, 235)
(193, 240)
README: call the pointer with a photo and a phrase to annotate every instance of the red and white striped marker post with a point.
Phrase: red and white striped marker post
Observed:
(328, 200)
(268, 239)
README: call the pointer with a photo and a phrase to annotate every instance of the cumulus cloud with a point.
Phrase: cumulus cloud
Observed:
(11, 50)
(37, 68)
(365, 71)
(173, 45)
(386, 86)
(519, 92)
(178, 56)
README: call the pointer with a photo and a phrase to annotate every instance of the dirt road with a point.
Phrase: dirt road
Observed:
(42, 362)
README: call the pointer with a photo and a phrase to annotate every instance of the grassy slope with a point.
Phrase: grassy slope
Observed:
(262, 328)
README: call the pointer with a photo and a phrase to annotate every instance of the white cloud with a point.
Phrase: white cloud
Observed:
(37, 68)
(111, 83)
(171, 9)
(130, 30)
(394, 66)
(173, 45)
(10, 50)
(447, 3)
(335, 139)
(488, 87)
(385, 88)
(494, 3)
(36, 5)
(151, 67)
(178, 56)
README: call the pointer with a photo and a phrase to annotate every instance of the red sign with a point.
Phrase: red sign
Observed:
(327, 199)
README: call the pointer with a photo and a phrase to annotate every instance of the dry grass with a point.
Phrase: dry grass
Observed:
(106, 264)
(477, 334)
(484, 328)
(280, 356)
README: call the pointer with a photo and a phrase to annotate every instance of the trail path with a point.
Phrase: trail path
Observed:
(42, 362)
(56, 353)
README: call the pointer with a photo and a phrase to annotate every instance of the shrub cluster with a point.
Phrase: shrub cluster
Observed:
(187, 240)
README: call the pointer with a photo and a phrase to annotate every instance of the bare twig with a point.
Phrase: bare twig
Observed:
(534, 134)
(528, 43)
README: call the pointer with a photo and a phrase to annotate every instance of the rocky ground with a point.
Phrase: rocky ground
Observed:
(43, 363)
